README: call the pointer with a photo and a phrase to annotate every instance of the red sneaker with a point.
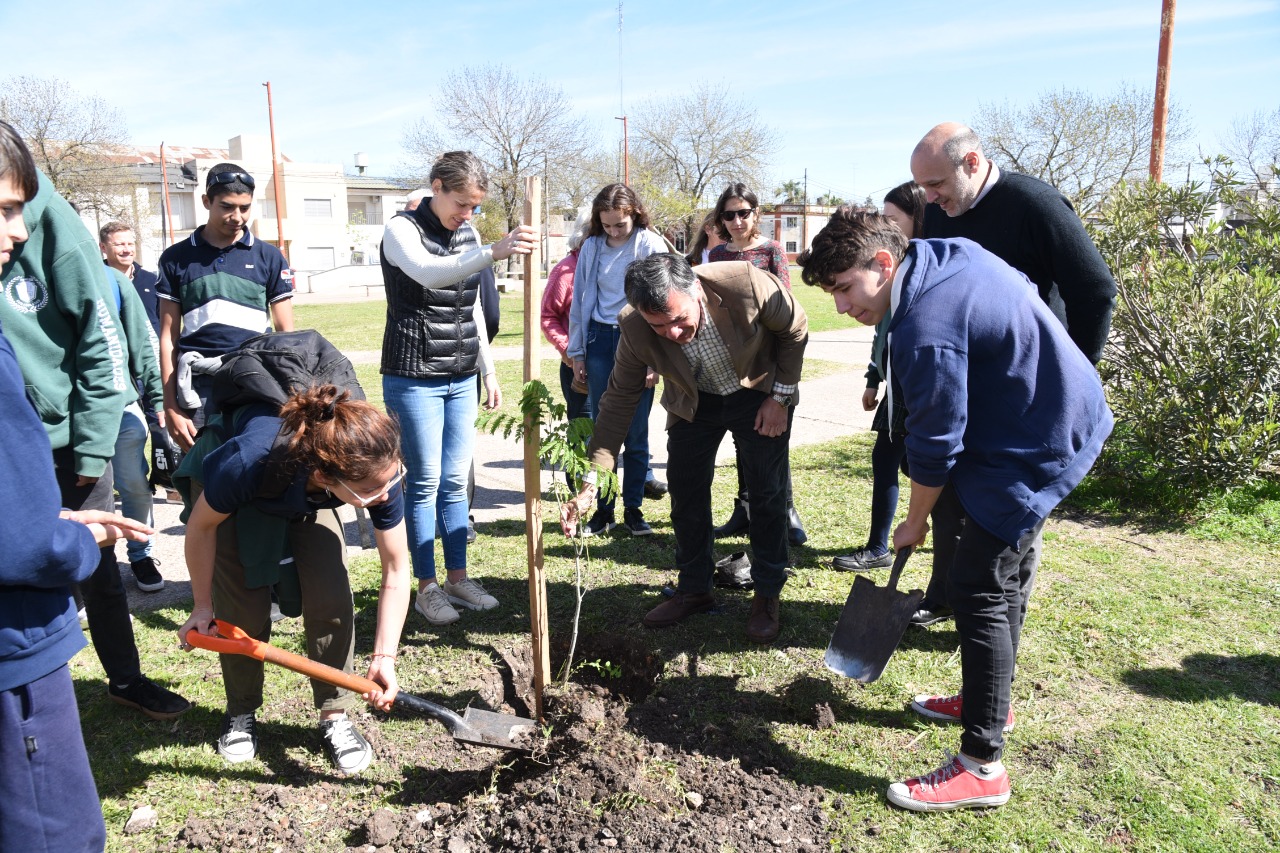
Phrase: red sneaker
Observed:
(946, 709)
(952, 786)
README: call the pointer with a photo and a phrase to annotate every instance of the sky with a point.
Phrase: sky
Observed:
(848, 86)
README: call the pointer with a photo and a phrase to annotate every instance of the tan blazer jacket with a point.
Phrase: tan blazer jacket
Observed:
(763, 326)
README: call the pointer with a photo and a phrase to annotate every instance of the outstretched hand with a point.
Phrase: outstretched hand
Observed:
(572, 512)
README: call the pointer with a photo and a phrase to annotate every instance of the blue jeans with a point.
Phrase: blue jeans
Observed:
(602, 343)
(437, 432)
(129, 466)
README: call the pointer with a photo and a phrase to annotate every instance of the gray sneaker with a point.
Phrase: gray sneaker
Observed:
(435, 607)
(470, 594)
(239, 739)
(347, 748)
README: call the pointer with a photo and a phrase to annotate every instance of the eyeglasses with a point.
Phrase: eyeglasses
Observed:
(229, 178)
(391, 484)
(730, 215)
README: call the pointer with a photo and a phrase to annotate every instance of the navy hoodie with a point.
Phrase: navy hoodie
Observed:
(43, 554)
(999, 399)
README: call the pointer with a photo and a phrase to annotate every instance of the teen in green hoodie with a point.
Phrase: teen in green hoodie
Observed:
(59, 311)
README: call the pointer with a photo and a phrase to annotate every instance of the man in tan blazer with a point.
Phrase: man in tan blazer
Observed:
(729, 340)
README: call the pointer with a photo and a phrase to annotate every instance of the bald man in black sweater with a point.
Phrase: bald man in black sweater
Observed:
(1033, 228)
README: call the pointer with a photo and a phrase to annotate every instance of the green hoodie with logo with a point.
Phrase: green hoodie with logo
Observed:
(63, 324)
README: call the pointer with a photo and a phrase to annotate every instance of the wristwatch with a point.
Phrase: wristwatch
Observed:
(783, 400)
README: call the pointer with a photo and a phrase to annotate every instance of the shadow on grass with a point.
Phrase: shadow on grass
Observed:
(1204, 677)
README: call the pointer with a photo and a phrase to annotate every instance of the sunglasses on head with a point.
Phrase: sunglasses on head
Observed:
(230, 178)
(730, 215)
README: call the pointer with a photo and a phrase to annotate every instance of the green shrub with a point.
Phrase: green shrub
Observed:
(1192, 368)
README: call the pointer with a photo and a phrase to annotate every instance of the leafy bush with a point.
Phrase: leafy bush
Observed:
(1192, 368)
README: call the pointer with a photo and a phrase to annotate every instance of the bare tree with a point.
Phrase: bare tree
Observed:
(695, 143)
(1253, 143)
(1081, 143)
(76, 141)
(519, 126)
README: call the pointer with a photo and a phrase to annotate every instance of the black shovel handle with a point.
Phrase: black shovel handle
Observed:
(899, 560)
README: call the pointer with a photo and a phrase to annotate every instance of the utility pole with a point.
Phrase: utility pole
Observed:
(1161, 116)
(804, 216)
(166, 224)
(276, 179)
(622, 108)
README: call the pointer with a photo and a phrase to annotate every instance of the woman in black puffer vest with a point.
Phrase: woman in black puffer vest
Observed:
(432, 353)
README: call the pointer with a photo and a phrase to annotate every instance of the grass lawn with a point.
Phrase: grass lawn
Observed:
(1147, 696)
(1147, 699)
(359, 325)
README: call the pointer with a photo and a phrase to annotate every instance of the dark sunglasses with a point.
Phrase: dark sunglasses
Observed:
(229, 178)
(730, 215)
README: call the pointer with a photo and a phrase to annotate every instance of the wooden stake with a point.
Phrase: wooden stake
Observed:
(532, 446)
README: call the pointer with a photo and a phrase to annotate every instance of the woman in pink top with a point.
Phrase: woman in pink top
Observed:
(737, 217)
(556, 300)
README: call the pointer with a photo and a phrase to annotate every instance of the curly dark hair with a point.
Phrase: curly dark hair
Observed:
(341, 437)
(850, 239)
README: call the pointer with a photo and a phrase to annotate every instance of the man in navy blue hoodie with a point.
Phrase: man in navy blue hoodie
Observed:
(48, 800)
(1007, 409)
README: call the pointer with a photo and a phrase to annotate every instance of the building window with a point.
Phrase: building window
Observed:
(792, 222)
(320, 258)
(791, 247)
(318, 208)
(268, 209)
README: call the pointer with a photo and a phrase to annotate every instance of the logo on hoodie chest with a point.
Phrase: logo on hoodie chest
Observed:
(27, 295)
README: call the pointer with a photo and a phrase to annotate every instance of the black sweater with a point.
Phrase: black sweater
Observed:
(1034, 229)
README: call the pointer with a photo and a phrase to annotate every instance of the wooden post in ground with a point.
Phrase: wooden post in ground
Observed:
(532, 446)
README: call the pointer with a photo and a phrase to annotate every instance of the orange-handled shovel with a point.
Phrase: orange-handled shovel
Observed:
(484, 728)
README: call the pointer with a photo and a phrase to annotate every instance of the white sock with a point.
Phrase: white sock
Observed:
(977, 768)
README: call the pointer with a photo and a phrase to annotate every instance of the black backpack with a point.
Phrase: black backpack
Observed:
(270, 368)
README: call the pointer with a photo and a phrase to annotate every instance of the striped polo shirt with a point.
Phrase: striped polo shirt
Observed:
(224, 294)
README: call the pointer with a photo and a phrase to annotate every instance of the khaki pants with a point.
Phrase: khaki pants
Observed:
(328, 614)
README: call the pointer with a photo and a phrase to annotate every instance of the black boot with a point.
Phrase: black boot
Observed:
(739, 522)
(795, 527)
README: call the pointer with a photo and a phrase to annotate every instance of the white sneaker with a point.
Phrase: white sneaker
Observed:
(435, 607)
(348, 749)
(469, 593)
(239, 739)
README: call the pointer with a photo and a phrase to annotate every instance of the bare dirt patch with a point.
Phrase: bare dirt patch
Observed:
(610, 770)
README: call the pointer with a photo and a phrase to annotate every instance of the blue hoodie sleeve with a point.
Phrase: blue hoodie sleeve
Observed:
(40, 549)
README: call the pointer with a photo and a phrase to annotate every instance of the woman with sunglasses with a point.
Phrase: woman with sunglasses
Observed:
(737, 217)
(618, 236)
(320, 450)
(433, 353)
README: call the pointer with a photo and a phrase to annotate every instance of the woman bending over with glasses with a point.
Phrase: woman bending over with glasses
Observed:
(737, 217)
(433, 351)
(618, 236)
(264, 514)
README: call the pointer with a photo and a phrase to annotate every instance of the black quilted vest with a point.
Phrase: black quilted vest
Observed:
(431, 332)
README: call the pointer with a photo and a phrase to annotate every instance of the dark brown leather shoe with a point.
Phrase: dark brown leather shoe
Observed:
(678, 607)
(763, 624)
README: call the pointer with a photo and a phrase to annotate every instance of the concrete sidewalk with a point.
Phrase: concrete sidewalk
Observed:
(830, 407)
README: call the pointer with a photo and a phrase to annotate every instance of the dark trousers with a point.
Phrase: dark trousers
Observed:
(948, 521)
(106, 603)
(990, 584)
(328, 617)
(886, 458)
(48, 801)
(691, 465)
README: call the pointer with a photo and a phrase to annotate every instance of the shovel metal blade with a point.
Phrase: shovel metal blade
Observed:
(871, 626)
(483, 728)
(488, 728)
